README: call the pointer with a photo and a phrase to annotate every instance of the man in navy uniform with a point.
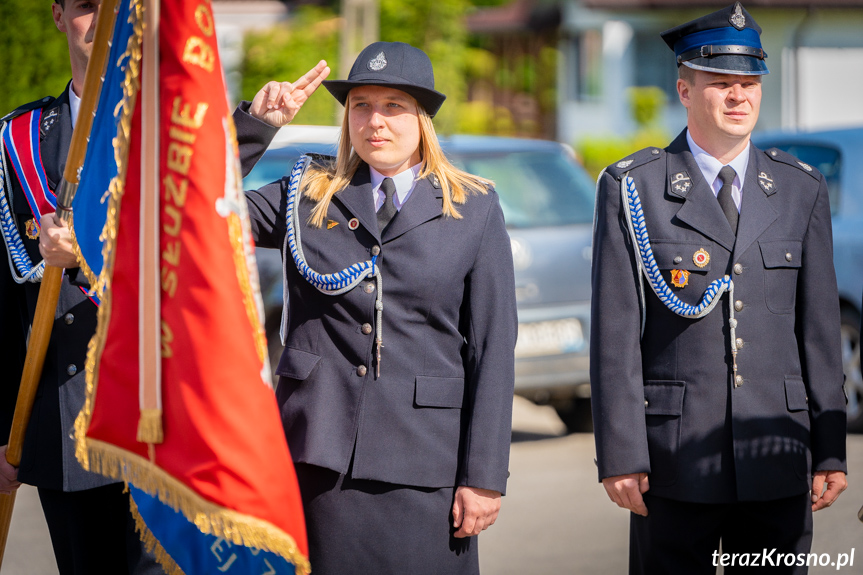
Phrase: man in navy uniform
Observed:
(88, 516)
(722, 423)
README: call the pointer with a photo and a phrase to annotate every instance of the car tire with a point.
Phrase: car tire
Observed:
(576, 415)
(850, 332)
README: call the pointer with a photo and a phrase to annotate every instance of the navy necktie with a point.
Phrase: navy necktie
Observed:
(388, 209)
(726, 174)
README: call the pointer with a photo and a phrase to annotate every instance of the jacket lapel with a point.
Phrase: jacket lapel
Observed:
(425, 203)
(701, 210)
(56, 134)
(756, 213)
(357, 199)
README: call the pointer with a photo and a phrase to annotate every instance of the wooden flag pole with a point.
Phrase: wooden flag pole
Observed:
(49, 291)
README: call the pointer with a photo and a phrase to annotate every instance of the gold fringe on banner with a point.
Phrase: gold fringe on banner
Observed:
(150, 426)
(209, 518)
(152, 544)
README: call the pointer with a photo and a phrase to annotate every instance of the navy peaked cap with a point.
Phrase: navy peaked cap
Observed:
(393, 65)
(727, 41)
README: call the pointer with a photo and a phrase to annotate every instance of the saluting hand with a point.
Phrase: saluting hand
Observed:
(626, 491)
(474, 510)
(8, 474)
(278, 102)
(55, 243)
(834, 481)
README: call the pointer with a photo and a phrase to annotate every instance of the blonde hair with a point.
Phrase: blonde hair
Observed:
(325, 177)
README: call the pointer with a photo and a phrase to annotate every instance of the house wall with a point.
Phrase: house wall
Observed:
(815, 58)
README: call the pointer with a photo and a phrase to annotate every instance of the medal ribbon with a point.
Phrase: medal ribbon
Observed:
(22, 143)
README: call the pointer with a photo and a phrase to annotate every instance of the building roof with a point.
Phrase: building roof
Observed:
(675, 4)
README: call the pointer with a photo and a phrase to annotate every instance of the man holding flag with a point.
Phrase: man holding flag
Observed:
(89, 517)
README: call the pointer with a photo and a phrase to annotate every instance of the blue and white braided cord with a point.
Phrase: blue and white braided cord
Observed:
(647, 263)
(331, 284)
(20, 263)
(335, 283)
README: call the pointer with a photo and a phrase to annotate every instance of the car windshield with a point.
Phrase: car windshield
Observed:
(536, 188)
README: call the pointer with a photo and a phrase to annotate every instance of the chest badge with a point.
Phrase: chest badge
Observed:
(331, 224)
(701, 258)
(31, 229)
(353, 223)
(679, 278)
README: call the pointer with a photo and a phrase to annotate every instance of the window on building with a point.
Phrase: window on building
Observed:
(654, 63)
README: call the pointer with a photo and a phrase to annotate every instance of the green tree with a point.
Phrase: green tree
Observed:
(35, 58)
(287, 51)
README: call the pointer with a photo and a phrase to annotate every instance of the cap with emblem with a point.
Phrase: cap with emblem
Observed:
(395, 65)
(727, 41)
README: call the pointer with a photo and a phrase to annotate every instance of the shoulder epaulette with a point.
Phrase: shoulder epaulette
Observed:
(633, 161)
(27, 107)
(783, 157)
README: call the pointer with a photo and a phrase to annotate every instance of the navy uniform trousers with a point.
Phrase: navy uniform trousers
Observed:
(379, 458)
(728, 456)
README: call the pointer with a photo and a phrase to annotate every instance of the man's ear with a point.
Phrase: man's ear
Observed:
(683, 89)
(57, 13)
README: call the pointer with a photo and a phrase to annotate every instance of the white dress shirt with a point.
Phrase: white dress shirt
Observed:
(405, 182)
(710, 167)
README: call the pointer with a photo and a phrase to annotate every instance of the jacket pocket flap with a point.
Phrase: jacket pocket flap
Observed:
(671, 255)
(439, 391)
(782, 253)
(795, 393)
(664, 398)
(296, 363)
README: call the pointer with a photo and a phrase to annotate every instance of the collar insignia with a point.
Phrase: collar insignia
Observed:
(680, 182)
(378, 63)
(48, 121)
(738, 20)
(766, 182)
(31, 229)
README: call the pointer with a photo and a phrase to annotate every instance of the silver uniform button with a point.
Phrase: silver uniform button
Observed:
(645, 403)
(367, 328)
(654, 151)
(72, 369)
(738, 269)
(788, 256)
(738, 305)
(376, 250)
(369, 287)
(739, 343)
(69, 318)
(738, 380)
(678, 259)
(362, 370)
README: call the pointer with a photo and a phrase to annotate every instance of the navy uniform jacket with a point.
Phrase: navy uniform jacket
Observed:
(440, 413)
(48, 459)
(665, 403)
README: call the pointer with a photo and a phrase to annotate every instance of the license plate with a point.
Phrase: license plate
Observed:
(549, 338)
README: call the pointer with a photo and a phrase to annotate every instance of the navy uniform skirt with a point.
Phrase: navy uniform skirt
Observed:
(358, 526)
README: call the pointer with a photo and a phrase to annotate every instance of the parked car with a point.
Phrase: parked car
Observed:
(834, 153)
(547, 199)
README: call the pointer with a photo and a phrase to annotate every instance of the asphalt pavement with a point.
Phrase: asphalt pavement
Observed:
(555, 519)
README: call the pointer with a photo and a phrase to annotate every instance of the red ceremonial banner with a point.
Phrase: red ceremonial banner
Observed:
(213, 445)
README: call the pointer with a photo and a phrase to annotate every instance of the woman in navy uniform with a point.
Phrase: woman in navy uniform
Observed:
(715, 425)
(396, 382)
